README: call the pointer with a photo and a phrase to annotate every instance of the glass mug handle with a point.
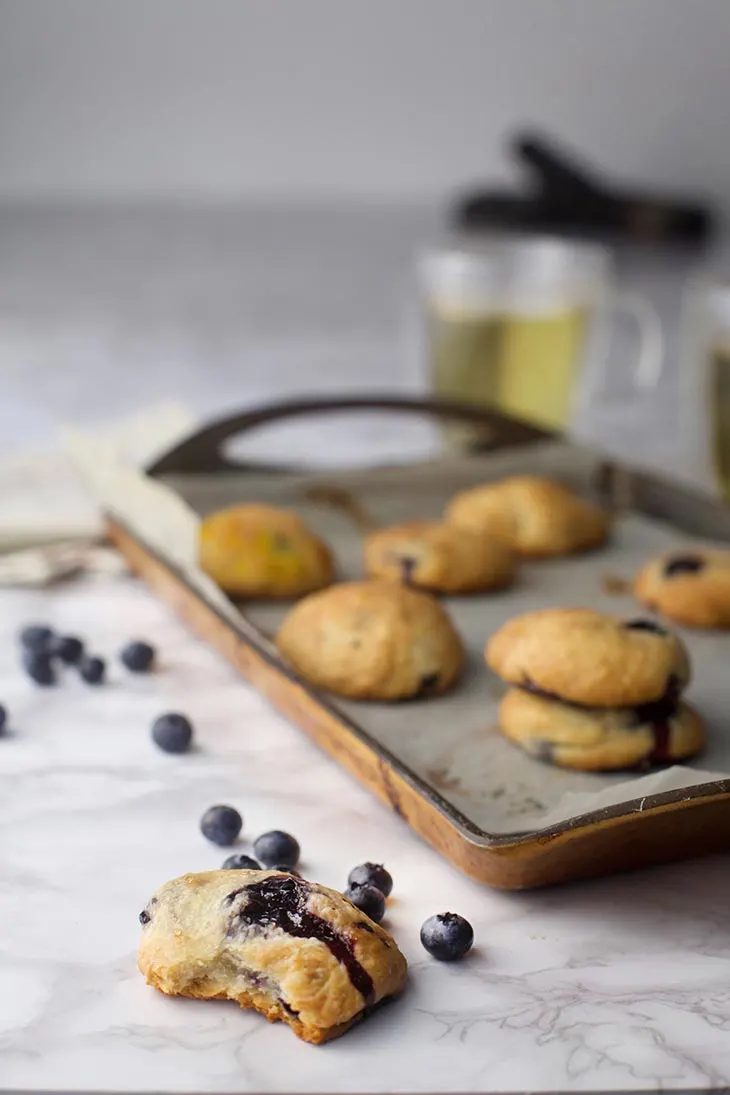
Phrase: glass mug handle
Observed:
(649, 361)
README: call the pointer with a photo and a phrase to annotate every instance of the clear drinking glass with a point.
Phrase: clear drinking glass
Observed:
(525, 326)
(705, 382)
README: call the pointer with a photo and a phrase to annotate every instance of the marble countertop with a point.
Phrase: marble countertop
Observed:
(620, 984)
(614, 985)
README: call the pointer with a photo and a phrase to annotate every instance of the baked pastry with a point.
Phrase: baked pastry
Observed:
(535, 517)
(290, 949)
(372, 641)
(689, 587)
(586, 657)
(439, 557)
(601, 739)
(254, 550)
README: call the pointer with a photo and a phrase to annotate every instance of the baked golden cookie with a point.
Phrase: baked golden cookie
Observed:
(262, 551)
(439, 557)
(585, 657)
(290, 949)
(372, 641)
(535, 517)
(601, 739)
(689, 587)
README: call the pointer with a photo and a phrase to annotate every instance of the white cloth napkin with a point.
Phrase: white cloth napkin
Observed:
(50, 525)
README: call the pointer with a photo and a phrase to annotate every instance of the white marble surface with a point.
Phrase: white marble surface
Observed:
(614, 985)
(619, 984)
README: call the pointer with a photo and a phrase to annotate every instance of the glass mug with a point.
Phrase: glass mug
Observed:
(526, 326)
(705, 382)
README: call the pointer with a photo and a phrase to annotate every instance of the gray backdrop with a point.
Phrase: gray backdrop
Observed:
(385, 98)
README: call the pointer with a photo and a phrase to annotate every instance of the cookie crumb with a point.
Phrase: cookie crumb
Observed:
(615, 586)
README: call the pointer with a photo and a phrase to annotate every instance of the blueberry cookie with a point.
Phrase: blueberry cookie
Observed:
(439, 557)
(689, 587)
(601, 739)
(372, 641)
(262, 551)
(586, 657)
(292, 950)
(536, 517)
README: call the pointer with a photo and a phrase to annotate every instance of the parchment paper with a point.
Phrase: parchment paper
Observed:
(451, 741)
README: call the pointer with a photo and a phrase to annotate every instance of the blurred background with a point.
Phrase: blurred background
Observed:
(223, 201)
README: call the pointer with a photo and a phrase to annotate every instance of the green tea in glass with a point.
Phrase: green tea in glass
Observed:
(521, 326)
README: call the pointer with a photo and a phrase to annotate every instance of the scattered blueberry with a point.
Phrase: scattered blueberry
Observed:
(68, 648)
(240, 862)
(367, 899)
(3, 718)
(447, 936)
(371, 874)
(137, 657)
(284, 869)
(172, 733)
(36, 637)
(277, 847)
(92, 670)
(39, 667)
(221, 824)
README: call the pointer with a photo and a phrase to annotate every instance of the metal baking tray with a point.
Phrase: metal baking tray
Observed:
(440, 763)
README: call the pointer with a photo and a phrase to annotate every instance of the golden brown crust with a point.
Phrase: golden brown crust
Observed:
(536, 517)
(696, 598)
(587, 657)
(372, 640)
(195, 944)
(439, 557)
(597, 740)
(256, 550)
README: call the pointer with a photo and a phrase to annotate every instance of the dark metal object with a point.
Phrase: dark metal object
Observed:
(567, 197)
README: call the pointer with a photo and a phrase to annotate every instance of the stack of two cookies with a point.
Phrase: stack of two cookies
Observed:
(592, 692)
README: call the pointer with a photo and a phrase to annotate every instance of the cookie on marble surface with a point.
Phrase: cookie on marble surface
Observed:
(536, 517)
(439, 557)
(587, 657)
(601, 739)
(373, 641)
(263, 551)
(293, 950)
(690, 587)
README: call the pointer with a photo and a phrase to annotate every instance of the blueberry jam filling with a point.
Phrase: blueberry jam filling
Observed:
(644, 625)
(427, 683)
(281, 902)
(407, 566)
(529, 685)
(683, 564)
(658, 715)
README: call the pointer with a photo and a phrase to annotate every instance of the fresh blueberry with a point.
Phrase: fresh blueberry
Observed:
(240, 862)
(221, 825)
(36, 637)
(367, 899)
(92, 670)
(3, 718)
(447, 936)
(371, 874)
(172, 733)
(137, 657)
(284, 869)
(277, 847)
(39, 667)
(68, 648)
